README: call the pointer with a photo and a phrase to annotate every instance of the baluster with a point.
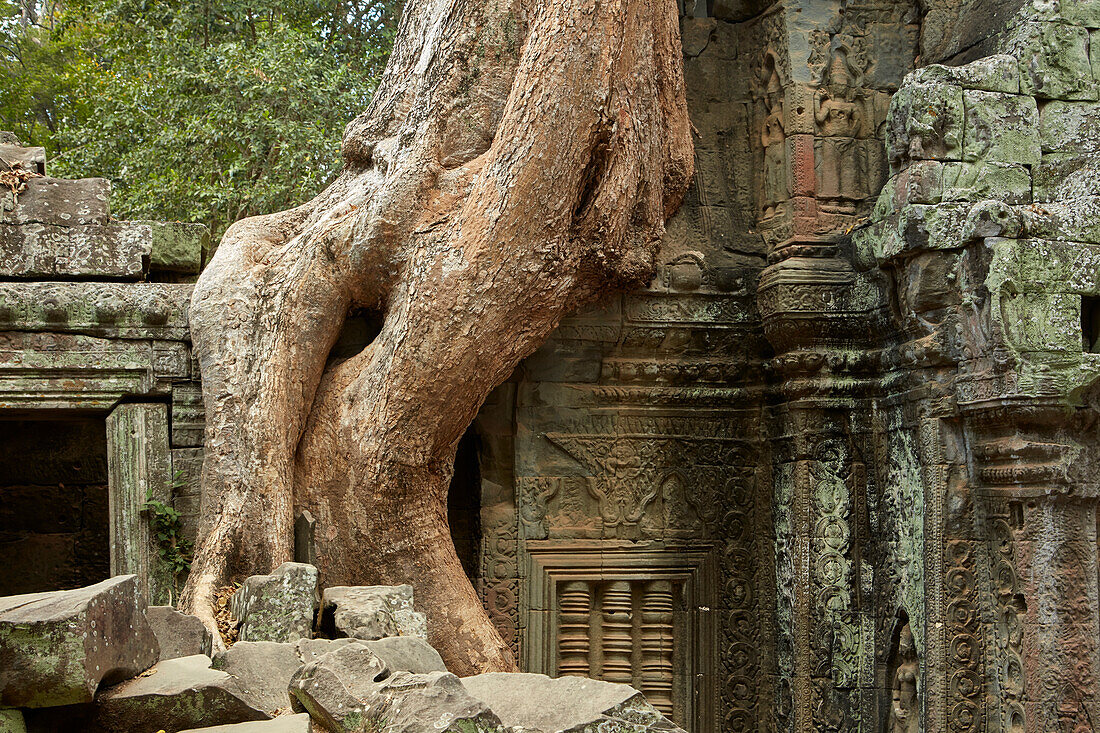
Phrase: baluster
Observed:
(618, 642)
(573, 642)
(657, 620)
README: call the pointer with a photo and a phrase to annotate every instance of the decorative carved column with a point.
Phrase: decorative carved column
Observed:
(657, 667)
(616, 610)
(574, 645)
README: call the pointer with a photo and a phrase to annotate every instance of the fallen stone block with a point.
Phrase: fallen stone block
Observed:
(175, 695)
(57, 648)
(407, 654)
(310, 650)
(263, 670)
(277, 607)
(372, 612)
(336, 689)
(398, 653)
(179, 634)
(566, 704)
(11, 721)
(282, 724)
(434, 701)
(350, 690)
(47, 250)
(62, 202)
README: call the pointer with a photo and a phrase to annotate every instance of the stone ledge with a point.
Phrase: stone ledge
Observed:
(41, 250)
(113, 310)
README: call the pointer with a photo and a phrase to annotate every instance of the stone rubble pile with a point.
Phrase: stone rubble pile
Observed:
(97, 659)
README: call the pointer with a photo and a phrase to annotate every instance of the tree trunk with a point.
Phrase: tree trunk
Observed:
(519, 160)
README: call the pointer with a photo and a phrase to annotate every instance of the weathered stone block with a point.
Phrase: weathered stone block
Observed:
(180, 693)
(61, 202)
(1001, 127)
(57, 648)
(538, 702)
(921, 182)
(1070, 127)
(991, 218)
(406, 654)
(29, 159)
(926, 122)
(1008, 182)
(178, 247)
(188, 414)
(179, 634)
(933, 227)
(998, 73)
(373, 612)
(1078, 12)
(398, 653)
(283, 724)
(1042, 265)
(1094, 49)
(1076, 220)
(1049, 322)
(337, 688)
(348, 690)
(186, 489)
(122, 310)
(277, 607)
(262, 669)
(1054, 61)
(1066, 176)
(42, 250)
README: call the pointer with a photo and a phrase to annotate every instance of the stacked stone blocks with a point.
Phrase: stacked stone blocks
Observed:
(93, 314)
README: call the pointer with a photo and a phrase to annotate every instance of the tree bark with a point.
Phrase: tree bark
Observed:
(519, 160)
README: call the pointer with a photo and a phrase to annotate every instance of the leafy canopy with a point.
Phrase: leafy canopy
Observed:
(197, 111)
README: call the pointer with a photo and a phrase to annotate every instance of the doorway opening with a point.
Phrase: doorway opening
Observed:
(54, 520)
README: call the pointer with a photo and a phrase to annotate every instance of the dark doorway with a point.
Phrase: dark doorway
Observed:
(464, 503)
(53, 505)
(1090, 324)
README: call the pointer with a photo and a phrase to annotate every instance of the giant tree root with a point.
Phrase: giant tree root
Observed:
(519, 159)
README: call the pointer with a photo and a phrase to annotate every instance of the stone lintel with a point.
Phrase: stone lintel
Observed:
(69, 371)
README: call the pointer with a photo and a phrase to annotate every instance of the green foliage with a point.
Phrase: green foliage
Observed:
(174, 549)
(196, 111)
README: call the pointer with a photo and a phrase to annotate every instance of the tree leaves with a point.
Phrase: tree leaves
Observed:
(197, 111)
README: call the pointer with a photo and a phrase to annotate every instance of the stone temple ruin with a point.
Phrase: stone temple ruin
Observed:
(835, 469)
